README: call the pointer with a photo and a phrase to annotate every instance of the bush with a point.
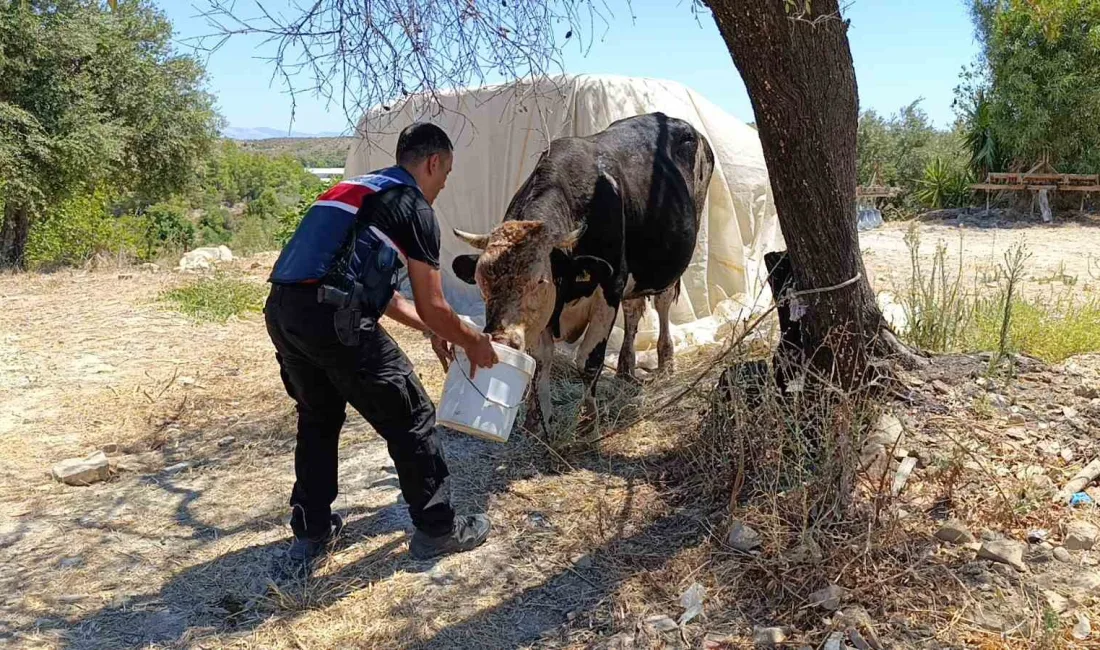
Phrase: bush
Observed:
(165, 229)
(69, 234)
(216, 226)
(255, 235)
(290, 219)
(76, 230)
(898, 150)
(275, 191)
(216, 299)
(944, 185)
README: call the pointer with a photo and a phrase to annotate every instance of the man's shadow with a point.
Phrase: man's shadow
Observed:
(239, 590)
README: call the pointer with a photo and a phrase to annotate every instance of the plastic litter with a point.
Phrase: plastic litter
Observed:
(1081, 499)
(869, 219)
(692, 602)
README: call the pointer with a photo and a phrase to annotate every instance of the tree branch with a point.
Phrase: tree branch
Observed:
(364, 54)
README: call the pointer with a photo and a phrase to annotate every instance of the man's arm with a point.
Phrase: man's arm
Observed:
(433, 309)
(404, 312)
(435, 312)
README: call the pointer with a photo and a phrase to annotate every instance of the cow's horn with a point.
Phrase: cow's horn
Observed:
(477, 241)
(570, 239)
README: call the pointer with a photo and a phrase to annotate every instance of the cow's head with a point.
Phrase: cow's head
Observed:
(523, 271)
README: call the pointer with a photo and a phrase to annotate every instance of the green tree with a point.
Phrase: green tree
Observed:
(898, 150)
(92, 98)
(1036, 88)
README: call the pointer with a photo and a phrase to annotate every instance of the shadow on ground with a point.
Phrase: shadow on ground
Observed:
(239, 590)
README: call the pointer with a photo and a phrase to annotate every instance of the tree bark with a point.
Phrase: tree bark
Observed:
(800, 78)
(13, 236)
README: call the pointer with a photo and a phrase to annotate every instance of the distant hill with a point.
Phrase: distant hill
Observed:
(310, 152)
(265, 133)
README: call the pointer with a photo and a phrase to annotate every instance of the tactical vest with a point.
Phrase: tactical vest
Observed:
(328, 248)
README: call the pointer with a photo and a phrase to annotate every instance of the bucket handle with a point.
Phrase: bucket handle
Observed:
(486, 397)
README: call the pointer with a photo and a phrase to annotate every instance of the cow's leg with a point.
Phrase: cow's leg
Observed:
(663, 302)
(538, 400)
(593, 349)
(632, 314)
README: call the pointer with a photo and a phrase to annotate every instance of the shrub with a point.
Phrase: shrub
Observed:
(215, 226)
(944, 185)
(216, 299)
(72, 232)
(255, 235)
(165, 230)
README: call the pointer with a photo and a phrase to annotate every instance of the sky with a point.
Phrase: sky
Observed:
(903, 50)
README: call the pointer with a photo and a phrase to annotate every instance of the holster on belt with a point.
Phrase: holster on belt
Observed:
(348, 318)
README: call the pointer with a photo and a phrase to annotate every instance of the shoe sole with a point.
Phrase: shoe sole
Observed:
(420, 555)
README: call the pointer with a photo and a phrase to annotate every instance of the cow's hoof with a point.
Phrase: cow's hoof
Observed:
(664, 372)
(630, 378)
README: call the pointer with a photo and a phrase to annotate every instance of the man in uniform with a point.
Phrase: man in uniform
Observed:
(332, 283)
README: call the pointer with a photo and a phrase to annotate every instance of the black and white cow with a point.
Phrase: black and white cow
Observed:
(603, 220)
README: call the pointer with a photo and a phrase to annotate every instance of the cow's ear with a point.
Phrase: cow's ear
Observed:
(588, 272)
(464, 266)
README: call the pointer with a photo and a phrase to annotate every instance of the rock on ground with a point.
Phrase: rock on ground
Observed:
(1058, 603)
(887, 436)
(204, 259)
(1083, 629)
(828, 598)
(1062, 555)
(743, 538)
(1080, 536)
(767, 637)
(83, 471)
(1005, 551)
(954, 532)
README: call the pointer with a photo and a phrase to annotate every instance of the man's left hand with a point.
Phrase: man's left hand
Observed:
(444, 351)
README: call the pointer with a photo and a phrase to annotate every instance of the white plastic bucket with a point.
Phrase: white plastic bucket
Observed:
(486, 405)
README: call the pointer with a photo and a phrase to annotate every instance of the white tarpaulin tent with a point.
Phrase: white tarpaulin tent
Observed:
(499, 132)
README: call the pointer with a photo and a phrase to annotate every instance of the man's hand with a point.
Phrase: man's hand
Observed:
(437, 315)
(481, 354)
(444, 351)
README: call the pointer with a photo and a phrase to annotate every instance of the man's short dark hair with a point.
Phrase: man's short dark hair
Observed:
(420, 140)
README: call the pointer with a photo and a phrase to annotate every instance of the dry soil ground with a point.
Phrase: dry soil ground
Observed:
(183, 546)
(1064, 250)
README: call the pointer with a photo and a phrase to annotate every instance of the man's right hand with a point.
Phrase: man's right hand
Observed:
(481, 354)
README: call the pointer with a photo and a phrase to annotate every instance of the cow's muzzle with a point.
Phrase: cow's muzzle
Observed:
(512, 339)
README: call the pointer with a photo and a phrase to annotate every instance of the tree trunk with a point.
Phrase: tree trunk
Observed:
(13, 236)
(799, 75)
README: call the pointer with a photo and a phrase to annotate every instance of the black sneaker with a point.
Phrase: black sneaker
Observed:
(468, 533)
(304, 550)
